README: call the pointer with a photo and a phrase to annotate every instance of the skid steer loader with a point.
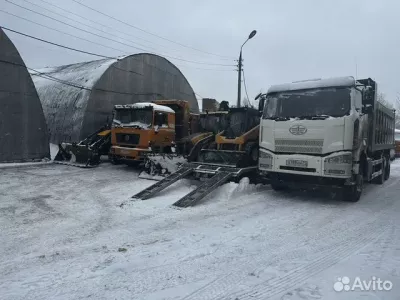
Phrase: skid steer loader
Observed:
(86, 153)
(232, 155)
(237, 145)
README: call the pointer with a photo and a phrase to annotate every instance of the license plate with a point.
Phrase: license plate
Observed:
(297, 163)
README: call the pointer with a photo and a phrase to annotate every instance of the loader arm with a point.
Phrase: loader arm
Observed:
(240, 141)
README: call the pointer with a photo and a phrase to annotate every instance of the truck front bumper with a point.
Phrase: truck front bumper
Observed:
(337, 165)
(126, 153)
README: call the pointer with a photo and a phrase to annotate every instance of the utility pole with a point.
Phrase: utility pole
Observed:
(239, 80)
(251, 35)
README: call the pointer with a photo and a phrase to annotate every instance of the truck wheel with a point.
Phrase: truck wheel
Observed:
(277, 185)
(387, 171)
(353, 193)
(254, 154)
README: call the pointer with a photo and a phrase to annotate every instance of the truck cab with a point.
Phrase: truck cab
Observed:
(140, 128)
(325, 132)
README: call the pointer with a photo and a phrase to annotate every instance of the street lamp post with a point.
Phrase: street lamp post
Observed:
(251, 35)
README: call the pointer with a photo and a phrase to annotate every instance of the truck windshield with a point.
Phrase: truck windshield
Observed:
(138, 117)
(316, 103)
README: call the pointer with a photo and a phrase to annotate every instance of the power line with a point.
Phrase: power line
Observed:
(110, 39)
(68, 83)
(224, 70)
(198, 95)
(72, 26)
(245, 88)
(70, 48)
(107, 26)
(55, 44)
(148, 32)
(86, 52)
(71, 19)
(59, 31)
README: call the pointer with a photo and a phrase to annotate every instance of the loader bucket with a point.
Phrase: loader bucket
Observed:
(77, 154)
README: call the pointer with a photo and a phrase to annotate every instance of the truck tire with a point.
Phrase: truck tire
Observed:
(278, 185)
(252, 152)
(381, 178)
(387, 171)
(353, 193)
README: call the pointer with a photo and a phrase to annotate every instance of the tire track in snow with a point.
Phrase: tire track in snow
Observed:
(329, 258)
(357, 226)
(285, 240)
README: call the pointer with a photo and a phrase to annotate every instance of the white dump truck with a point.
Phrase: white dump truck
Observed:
(325, 133)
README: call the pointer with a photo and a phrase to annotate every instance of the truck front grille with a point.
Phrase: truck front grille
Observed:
(299, 146)
(126, 138)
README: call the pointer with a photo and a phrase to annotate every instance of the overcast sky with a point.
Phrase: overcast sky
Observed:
(296, 39)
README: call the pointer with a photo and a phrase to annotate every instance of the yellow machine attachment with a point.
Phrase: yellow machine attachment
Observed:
(87, 152)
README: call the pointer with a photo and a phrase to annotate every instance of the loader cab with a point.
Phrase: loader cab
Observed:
(214, 122)
(241, 120)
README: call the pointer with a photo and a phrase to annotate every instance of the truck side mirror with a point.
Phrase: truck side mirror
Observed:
(261, 105)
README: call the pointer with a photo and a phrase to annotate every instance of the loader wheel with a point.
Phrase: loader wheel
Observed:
(114, 160)
(353, 193)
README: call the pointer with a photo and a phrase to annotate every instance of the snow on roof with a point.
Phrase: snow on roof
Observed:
(69, 101)
(312, 84)
(156, 107)
(83, 74)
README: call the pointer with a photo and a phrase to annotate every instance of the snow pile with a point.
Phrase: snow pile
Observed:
(53, 150)
(171, 163)
(156, 107)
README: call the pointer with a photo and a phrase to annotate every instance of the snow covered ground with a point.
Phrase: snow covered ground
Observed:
(65, 235)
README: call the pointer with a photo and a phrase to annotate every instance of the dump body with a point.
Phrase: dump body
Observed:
(381, 120)
(397, 142)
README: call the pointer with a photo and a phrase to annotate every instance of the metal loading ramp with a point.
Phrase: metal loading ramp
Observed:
(213, 175)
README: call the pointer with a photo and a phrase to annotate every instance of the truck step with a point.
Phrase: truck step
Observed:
(164, 183)
(204, 189)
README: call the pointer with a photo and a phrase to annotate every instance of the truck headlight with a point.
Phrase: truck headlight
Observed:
(264, 155)
(340, 159)
(265, 160)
